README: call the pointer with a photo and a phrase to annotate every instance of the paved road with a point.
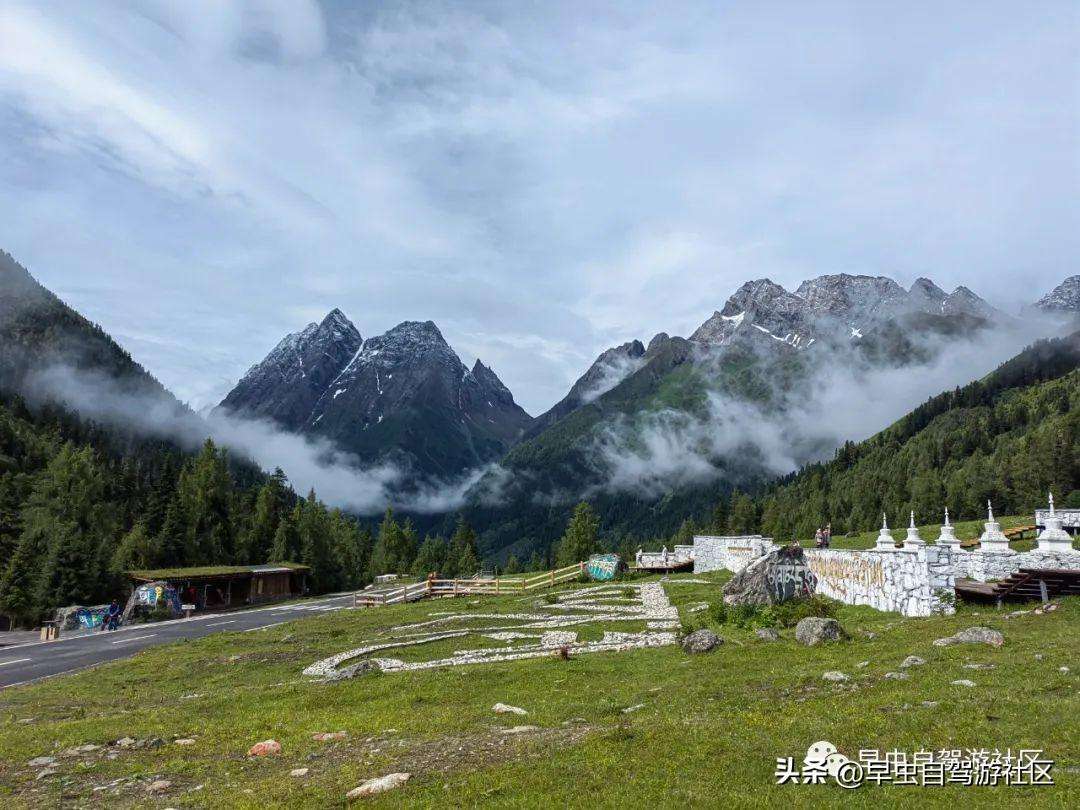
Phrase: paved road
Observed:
(28, 662)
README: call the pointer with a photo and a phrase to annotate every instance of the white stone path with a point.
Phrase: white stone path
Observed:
(600, 604)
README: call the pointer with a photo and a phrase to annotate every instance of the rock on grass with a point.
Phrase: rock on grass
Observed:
(814, 630)
(973, 635)
(264, 748)
(701, 641)
(502, 708)
(381, 784)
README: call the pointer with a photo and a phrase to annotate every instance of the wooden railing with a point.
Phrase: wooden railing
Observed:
(432, 588)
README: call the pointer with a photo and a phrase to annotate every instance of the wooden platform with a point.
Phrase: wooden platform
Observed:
(1026, 585)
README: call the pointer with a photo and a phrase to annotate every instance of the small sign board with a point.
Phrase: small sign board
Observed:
(187, 607)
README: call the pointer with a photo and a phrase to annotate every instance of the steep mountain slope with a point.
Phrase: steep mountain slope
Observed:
(1009, 438)
(404, 395)
(607, 371)
(39, 332)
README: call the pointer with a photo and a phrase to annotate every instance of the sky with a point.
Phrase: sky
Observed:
(541, 179)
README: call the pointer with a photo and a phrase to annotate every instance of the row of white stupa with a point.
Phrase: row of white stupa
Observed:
(992, 541)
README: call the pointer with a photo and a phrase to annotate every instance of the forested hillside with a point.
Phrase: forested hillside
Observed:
(81, 502)
(1010, 438)
(77, 510)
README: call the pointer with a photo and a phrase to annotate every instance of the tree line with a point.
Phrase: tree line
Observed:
(81, 505)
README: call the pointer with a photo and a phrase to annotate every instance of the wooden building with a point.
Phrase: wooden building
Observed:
(219, 586)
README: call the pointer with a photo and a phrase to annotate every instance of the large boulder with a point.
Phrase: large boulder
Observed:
(814, 630)
(775, 577)
(67, 618)
(701, 641)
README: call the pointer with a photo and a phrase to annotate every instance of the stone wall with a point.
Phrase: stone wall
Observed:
(915, 582)
(918, 581)
(986, 566)
(712, 553)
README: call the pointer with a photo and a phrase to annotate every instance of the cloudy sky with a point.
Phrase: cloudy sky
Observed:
(541, 179)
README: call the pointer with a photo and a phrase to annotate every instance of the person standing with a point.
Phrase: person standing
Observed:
(113, 617)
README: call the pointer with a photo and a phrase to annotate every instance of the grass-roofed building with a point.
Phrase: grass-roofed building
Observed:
(214, 587)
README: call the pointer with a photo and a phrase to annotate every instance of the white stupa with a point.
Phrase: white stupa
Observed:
(948, 533)
(885, 540)
(1053, 537)
(992, 541)
(913, 539)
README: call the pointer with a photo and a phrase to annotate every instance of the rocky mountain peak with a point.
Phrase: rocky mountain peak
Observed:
(927, 296)
(849, 297)
(659, 339)
(336, 322)
(489, 381)
(403, 394)
(963, 301)
(1065, 297)
(762, 293)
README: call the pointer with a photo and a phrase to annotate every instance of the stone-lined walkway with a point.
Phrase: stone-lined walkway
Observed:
(543, 633)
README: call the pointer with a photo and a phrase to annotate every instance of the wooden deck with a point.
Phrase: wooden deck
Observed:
(1026, 585)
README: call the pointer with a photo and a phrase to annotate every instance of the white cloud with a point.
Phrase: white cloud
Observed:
(543, 180)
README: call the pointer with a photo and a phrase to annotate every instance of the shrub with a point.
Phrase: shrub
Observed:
(790, 613)
(787, 614)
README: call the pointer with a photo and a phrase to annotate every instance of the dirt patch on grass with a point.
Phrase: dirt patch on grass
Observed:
(456, 752)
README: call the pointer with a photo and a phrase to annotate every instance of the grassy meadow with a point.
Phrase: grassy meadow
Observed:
(701, 731)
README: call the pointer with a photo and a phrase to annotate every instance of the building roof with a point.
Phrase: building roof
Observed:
(215, 571)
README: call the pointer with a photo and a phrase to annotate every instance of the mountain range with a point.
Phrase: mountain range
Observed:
(648, 407)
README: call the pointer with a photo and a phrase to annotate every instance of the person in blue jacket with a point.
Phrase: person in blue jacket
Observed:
(114, 615)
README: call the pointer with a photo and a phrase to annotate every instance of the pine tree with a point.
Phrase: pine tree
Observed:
(405, 548)
(581, 539)
(20, 587)
(171, 542)
(136, 550)
(430, 556)
(743, 515)
(463, 558)
(316, 551)
(286, 545)
(68, 505)
(512, 565)
(719, 518)
(383, 554)
(204, 488)
(271, 504)
(351, 546)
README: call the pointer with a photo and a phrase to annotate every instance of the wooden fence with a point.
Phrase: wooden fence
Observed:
(441, 588)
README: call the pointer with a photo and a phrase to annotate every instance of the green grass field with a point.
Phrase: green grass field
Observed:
(708, 731)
